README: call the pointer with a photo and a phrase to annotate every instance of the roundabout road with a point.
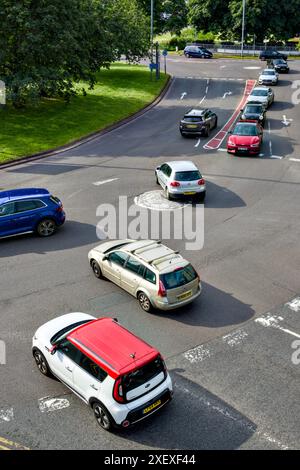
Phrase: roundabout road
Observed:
(249, 263)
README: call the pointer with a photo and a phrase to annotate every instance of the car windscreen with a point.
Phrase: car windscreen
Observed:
(187, 175)
(259, 93)
(61, 333)
(269, 72)
(245, 129)
(141, 376)
(192, 118)
(179, 277)
(257, 109)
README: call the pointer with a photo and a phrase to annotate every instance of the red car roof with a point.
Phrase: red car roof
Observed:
(111, 346)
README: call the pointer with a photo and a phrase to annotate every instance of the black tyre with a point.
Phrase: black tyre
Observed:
(102, 416)
(96, 269)
(46, 228)
(167, 194)
(216, 123)
(206, 132)
(41, 363)
(144, 302)
(182, 134)
(156, 179)
(201, 197)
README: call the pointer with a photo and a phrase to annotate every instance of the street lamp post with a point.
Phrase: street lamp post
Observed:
(243, 27)
(151, 29)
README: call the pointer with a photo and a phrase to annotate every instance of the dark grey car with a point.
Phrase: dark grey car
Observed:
(198, 122)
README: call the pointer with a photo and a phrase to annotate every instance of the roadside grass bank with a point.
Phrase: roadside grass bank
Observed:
(118, 93)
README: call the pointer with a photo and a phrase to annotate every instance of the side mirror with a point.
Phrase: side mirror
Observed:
(105, 258)
(229, 132)
(158, 168)
(53, 349)
(241, 110)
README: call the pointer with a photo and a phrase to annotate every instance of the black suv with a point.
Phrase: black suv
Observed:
(198, 121)
(196, 51)
(269, 55)
(254, 111)
(280, 65)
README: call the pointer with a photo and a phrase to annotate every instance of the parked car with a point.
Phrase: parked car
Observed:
(254, 112)
(30, 210)
(122, 378)
(262, 94)
(198, 121)
(280, 65)
(196, 51)
(179, 179)
(270, 54)
(246, 138)
(268, 77)
(150, 271)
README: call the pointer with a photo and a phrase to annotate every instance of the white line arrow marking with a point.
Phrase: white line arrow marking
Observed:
(99, 183)
(227, 93)
(198, 143)
(183, 95)
(286, 121)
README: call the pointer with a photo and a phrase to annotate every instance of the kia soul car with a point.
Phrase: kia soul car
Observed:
(157, 276)
(30, 210)
(181, 179)
(122, 378)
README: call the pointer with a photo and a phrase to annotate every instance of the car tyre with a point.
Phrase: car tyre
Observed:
(144, 302)
(46, 228)
(41, 362)
(156, 179)
(216, 123)
(102, 416)
(96, 269)
(206, 132)
(167, 194)
(201, 197)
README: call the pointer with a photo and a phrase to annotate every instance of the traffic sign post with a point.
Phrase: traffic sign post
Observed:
(165, 53)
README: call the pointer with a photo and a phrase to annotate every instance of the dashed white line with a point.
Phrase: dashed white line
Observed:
(294, 159)
(183, 95)
(235, 338)
(294, 304)
(198, 143)
(99, 183)
(6, 414)
(222, 150)
(272, 321)
(47, 404)
(206, 90)
(201, 101)
(197, 354)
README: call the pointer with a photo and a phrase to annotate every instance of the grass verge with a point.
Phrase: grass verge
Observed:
(119, 92)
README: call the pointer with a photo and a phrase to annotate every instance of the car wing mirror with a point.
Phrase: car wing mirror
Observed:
(105, 258)
(158, 168)
(53, 349)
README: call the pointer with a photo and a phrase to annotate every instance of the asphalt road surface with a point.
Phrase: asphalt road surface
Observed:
(229, 353)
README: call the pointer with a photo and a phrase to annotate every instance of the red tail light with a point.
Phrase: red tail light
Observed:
(201, 182)
(174, 184)
(59, 208)
(118, 391)
(162, 290)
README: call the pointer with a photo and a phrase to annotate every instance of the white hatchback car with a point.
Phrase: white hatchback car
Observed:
(179, 179)
(156, 275)
(122, 378)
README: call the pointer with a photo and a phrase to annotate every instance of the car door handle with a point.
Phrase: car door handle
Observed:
(69, 368)
(94, 387)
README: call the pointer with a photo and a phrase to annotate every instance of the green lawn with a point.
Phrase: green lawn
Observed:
(120, 91)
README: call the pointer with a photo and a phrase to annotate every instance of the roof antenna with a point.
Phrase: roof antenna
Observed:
(132, 355)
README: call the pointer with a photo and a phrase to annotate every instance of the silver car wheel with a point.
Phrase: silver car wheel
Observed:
(144, 302)
(102, 417)
(46, 228)
(41, 362)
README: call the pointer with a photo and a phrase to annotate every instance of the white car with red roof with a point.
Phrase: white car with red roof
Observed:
(121, 377)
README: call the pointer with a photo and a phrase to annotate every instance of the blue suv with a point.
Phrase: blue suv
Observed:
(30, 210)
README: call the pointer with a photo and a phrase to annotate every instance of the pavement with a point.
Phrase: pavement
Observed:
(236, 386)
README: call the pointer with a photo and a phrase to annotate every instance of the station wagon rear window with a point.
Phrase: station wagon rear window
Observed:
(179, 277)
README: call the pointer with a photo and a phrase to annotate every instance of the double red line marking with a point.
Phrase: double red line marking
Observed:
(217, 140)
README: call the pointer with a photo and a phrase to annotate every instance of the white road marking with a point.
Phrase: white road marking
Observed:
(6, 414)
(207, 81)
(223, 66)
(252, 68)
(261, 155)
(271, 150)
(183, 95)
(206, 90)
(222, 150)
(214, 405)
(201, 101)
(197, 354)
(286, 121)
(74, 194)
(276, 157)
(156, 201)
(99, 183)
(198, 142)
(47, 404)
(235, 338)
(294, 159)
(294, 304)
(226, 94)
(273, 321)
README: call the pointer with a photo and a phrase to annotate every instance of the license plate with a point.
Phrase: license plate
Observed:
(192, 126)
(242, 148)
(189, 193)
(154, 405)
(185, 295)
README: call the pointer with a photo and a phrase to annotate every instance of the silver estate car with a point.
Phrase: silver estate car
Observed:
(179, 179)
(156, 275)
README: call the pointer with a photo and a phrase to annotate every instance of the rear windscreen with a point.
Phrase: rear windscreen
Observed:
(178, 278)
(143, 375)
(187, 175)
(193, 118)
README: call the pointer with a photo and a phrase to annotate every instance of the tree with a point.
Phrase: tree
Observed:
(46, 46)
(158, 21)
(175, 12)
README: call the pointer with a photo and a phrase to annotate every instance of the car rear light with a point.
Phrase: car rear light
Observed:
(201, 182)
(118, 391)
(174, 184)
(162, 290)
(59, 209)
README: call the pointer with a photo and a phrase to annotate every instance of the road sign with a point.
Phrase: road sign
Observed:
(165, 52)
(152, 66)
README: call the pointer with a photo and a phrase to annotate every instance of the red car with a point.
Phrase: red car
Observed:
(246, 138)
